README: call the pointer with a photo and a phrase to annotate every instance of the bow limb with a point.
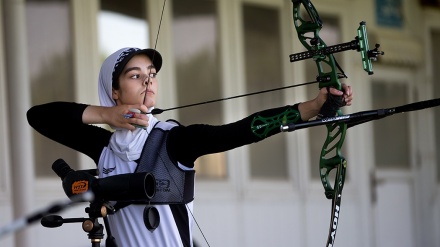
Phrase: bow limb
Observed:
(331, 157)
(328, 76)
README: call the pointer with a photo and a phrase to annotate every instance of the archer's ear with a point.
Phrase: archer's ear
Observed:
(115, 94)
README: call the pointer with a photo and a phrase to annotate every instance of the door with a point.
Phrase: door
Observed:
(392, 178)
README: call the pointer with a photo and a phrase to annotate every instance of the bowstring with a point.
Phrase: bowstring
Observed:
(175, 184)
(186, 204)
(159, 111)
(155, 43)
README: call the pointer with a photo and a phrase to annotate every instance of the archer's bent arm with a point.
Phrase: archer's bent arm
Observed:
(63, 122)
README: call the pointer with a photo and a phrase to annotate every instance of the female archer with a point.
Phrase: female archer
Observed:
(128, 88)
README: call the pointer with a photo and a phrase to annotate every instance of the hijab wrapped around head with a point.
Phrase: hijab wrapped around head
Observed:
(112, 68)
(125, 144)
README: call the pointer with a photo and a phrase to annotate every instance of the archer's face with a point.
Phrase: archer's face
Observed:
(137, 83)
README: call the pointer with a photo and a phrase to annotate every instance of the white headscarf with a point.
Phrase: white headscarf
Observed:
(125, 144)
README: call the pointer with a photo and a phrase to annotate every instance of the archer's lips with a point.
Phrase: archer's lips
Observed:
(148, 92)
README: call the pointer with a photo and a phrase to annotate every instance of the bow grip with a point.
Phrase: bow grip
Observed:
(331, 105)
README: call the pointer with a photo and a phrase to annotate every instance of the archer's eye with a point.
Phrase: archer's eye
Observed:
(152, 75)
(136, 76)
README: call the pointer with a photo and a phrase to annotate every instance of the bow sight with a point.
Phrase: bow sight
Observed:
(360, 44)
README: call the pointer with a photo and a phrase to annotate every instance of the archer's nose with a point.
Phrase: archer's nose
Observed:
(147, 81)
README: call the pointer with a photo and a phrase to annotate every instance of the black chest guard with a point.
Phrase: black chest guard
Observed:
(174, 185)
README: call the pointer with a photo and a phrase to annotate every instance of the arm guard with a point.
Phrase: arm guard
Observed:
(267, 123)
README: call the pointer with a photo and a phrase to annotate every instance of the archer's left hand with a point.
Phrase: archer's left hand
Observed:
(311, 108)
(346, 93)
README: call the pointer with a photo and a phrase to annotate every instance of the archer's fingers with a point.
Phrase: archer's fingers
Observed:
(348, 94)
(139, 122)
(336, 92)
